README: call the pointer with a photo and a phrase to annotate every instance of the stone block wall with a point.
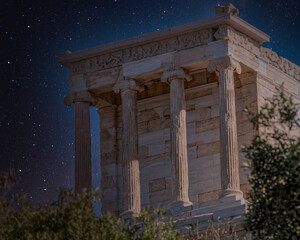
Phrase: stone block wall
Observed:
(202, 111)
(154, 149)
(110, 166)
(267, 87)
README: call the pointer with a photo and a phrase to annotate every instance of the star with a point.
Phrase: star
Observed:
(37, 129)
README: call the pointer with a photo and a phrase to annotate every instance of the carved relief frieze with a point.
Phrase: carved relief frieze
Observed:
(279, 62)
(109, 60)
(227, 32)
(170, 45)
(133, 54)
(240, 39)
(196, 39)
(152, 49)
(143, 51)
(188, 40)
(206, 36)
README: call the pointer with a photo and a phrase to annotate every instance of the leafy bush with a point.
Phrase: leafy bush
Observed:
(220, 230)
(274, 212)
(72, 218)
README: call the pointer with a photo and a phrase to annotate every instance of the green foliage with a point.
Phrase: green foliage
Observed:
(221, 230)
(274, 212)
(154, 224)
(151, 224)
(72, 218)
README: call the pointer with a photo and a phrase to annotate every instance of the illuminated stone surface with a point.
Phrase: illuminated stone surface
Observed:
(171, 119)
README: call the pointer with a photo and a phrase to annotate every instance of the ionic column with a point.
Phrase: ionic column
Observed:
(131, 172)
(179, 162)
(230, 180)
(83, 162)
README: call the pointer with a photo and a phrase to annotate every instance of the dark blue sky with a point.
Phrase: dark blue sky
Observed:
(36, 129)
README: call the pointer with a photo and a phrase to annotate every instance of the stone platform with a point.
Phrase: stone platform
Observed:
(198, 215)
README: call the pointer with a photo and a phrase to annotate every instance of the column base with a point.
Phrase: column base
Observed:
(230, 195)
(129, 214)
(180, 203)
(178, 207)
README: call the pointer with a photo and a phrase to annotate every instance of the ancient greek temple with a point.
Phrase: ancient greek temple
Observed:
(172, 124)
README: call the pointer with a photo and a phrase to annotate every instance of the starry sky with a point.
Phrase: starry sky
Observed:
(36, 128)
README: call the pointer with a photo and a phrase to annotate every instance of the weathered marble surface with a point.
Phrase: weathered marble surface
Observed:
(179, 161)
(171, 115)
(230, 180)
(83, 164)
(131, 195)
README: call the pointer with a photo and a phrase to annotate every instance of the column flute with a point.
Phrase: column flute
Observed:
(131, 194)
(179, 161)
(230, 181)
(83, 158)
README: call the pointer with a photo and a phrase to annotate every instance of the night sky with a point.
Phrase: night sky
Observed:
(36, 128)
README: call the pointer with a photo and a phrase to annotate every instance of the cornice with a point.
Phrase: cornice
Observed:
(117, 58)
(176, 39)
(269, 56)
(112, 49)
(280, 63)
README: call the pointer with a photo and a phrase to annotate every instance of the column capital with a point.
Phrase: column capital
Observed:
(175, 73)
(228, 61)
(127, 84)
(84, 96)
